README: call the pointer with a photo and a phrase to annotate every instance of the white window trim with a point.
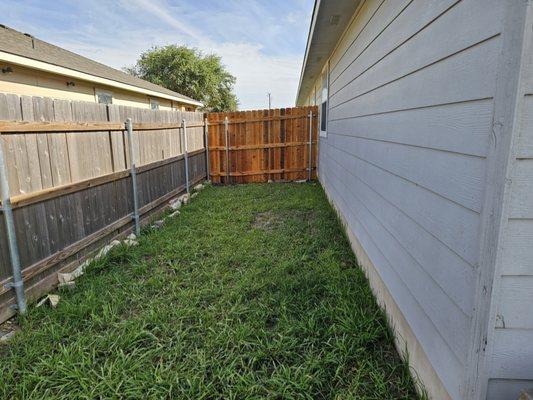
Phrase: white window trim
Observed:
(155, 101)
(325, 72)
(106, 92)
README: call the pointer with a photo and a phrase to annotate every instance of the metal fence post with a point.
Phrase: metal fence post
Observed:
(227, 150)
(18, 282)
(186, 153)
(309, 171)
(206, 145)
(131, 147)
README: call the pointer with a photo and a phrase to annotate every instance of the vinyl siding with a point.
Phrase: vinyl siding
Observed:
(511, 364)
(405, 157)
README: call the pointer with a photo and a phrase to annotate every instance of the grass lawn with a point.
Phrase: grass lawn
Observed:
(252, 292)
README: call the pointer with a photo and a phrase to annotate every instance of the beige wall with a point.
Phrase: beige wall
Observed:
(31, 82)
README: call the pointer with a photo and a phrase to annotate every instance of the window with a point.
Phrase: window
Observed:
(154, 104)
(103, 97)
(324, 103)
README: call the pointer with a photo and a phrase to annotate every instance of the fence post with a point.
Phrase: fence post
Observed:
(18, 282)
(186, 153)
(309, 170)
(129, 129)
(206, 145)
(227, 150)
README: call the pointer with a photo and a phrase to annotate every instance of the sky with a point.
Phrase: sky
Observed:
(262, 43)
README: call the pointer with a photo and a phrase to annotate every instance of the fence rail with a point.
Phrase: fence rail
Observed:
(263, 145)
(58, 223)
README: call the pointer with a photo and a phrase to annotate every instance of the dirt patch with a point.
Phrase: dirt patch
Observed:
(266, 221)
(270, 220)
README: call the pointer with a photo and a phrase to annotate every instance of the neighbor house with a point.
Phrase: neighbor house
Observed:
(29, 66)
(426, 151)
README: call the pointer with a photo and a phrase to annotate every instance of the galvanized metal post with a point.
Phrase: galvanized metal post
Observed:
(206, 144)
(131, 147)
(309, 170)
(18, 282)
(227, 150)
(186, 153)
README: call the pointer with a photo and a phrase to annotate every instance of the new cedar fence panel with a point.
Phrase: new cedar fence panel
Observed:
(71, 189)
(262, 145)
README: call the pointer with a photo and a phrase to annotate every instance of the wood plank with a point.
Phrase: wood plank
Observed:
(57, 126)
(255, 173)
(46, 194)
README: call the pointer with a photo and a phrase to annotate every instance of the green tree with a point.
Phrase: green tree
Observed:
(190, 72)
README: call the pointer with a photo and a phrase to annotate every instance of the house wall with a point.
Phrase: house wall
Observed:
(31, 82)
(511, 323)
(405, 162)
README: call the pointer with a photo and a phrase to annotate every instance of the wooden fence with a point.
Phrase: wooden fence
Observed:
(263, 145)
(72, 183)
(41, 161)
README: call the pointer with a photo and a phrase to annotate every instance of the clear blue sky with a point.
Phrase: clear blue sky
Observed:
(261, 42)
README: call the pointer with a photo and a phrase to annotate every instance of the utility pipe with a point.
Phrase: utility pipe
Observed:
(18, 282)
(186, 154)
(131, 147)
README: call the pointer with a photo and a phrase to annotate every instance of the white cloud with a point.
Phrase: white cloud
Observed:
(257, 74)
(256, 42)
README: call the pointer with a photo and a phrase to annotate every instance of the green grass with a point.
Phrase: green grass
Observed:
(252, 292)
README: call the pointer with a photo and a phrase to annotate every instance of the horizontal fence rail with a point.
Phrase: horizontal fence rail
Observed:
(263, 145)
(63, 207)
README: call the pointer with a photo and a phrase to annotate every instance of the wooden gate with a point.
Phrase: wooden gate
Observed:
(263, 145)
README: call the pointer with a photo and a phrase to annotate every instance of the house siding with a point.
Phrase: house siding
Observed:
(411, 106)
(30, 82)
(511, 330)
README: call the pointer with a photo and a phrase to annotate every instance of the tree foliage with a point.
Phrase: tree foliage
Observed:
(190, 72)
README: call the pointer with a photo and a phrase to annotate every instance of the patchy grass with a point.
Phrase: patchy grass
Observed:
(252, 292)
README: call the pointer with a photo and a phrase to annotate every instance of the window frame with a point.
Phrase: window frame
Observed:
(156, 103)
(99, 92)
(324, 101)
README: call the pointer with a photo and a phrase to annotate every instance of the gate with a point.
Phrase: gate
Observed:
(263, 145)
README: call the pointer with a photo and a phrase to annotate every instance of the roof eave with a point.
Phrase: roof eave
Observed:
(46, 67)
(307, 46)
(323, 37)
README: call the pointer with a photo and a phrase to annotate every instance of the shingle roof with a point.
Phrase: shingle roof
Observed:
(25, 45)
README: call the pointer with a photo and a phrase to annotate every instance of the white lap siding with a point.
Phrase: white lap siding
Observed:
(411, 100)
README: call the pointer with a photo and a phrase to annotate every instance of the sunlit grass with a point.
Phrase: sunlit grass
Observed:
(252, 292)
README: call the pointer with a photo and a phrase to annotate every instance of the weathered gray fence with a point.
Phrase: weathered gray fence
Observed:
(72, 191)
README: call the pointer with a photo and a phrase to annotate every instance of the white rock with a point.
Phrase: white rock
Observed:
(52, 299)
(70, 276)
(194, 195)
(131, 240)
(175, 204)
(174, 214)
(198, 187)
(158, 224)
(7, 336)
(106, 249)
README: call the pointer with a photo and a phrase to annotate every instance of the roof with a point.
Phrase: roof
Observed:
(329, 21)
(24, 45)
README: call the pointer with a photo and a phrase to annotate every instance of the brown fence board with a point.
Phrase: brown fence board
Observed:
(263, 145)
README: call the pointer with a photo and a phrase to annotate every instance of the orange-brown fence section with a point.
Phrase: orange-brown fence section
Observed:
(263, 145)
